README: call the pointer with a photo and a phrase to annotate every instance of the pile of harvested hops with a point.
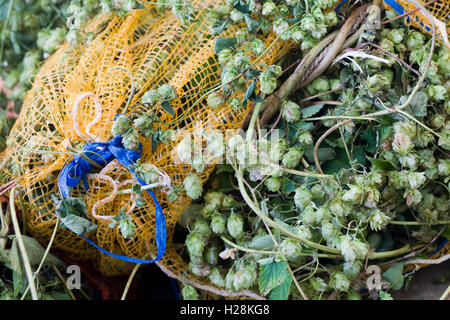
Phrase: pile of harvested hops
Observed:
(352, 172)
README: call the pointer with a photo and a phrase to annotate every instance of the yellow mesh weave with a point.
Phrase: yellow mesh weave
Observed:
(439, 10)
(157, 50)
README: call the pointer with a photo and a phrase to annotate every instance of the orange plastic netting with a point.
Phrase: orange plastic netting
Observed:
(157, 50)
(440, 10)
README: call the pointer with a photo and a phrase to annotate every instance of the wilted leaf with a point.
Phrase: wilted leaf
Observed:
(312, 110)
(241, 6)
(168, 107)
(35, 253)
(72, 211)
(382, 165)
(287, 187)
(224, 43)
(394, 275)
(261, 242)
(251, 23)
(418, 104)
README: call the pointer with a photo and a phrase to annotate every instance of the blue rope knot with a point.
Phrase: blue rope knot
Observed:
(103, 153)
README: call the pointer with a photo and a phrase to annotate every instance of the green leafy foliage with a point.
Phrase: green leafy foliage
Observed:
(282, 291)
(223, 43)
(272, 275)
(394, 275)
(72, 213)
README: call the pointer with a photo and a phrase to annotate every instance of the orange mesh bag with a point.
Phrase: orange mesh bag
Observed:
(75, 98)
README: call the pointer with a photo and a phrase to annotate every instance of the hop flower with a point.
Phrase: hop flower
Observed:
(329, 231)
(302, 198)
(189, 293)
(291, 111)
(130, 139)
(193, 186)
(308, 43)
(212, 255)
(444, 167)
(148, 173)
(225, 55)
(437, 92)
(396, 35)
(415, 40)
(195, 243)
(377, 83)
(120, 125)
(218, 223)
(303, 232)
(298, 34)
(216, 277)
(308, 216)
(438, 120)
(339, 208)
(416, 179)
(280, 27)
(268, 82)
(318, 284)
(335, 84)
(235, 226)
(308, 23)
(166, 92)
(352, 269)
(143, 123)
(268, 8)
(49, 40)
(257, 46)
(273, 184)
(305, 138)
(352, 248)
(283, 9)
(245, 277)
(236, 16)
(241, 35)
(338, 281)
(354, 194)
(202, 227)
(235, 103)
(378, 219)
(120, 7)
(73, 38)
(292, 158)
(290, 248)
(277, 150)
(127, 227)
(320, 85)
(215, 100)
(325, 4)
(150, 97)
(413, 197)
(402, 143)
(199, 269)
(330, 18)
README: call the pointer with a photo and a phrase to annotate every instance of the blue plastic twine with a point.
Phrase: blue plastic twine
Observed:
(392, 3)
(103, 153)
